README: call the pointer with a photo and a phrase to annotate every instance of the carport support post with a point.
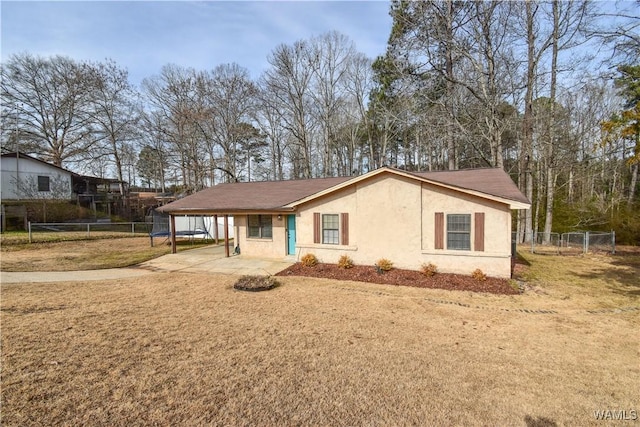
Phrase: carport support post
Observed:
(226, 235)
(215, 232)
(172, 219)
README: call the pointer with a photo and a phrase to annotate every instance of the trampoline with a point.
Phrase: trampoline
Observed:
(186, 226)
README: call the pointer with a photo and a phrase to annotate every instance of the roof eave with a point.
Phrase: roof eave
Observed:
(519, 205)
(226, 211)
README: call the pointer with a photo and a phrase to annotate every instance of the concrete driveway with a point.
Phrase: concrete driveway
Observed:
(209, 259)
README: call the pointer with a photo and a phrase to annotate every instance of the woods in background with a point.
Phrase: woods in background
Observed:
(548, 91)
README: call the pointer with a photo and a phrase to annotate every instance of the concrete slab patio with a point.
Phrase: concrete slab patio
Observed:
(209, 259)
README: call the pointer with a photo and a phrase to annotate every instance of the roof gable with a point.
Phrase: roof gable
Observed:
(283, 196)
(489, 183)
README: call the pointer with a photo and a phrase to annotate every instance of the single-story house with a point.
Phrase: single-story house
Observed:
(457, 220)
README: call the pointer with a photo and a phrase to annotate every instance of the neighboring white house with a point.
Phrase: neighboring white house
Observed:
(26, 178)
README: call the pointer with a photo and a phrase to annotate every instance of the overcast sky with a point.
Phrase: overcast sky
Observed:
(142, 36)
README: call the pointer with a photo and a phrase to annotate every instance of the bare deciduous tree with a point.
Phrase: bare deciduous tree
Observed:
(49, 98)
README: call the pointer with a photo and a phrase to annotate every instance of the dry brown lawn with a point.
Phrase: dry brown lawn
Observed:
(188, 349)
(16, 254)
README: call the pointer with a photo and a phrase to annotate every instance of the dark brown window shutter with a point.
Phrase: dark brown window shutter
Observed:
(439, 230)
(316, 227)
(344, 228)
(478, 241)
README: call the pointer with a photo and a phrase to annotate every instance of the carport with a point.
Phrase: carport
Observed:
(215, 259)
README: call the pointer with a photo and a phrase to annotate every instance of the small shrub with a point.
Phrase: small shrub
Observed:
(479, 275)
(309, 260)
(345, 262)
(384, 264)
(429, 269)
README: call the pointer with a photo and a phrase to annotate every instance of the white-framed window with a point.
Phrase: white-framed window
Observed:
(459, 232)
(260, 226)
(331, 229)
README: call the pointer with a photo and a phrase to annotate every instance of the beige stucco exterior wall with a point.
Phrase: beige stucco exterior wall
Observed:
(276, 247)
(495, 260)
(392, 217)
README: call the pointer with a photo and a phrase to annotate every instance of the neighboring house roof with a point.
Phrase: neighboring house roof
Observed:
(92, 179)
(26, 156)
(284, 196)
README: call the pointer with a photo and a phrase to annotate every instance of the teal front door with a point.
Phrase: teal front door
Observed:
(291, 234)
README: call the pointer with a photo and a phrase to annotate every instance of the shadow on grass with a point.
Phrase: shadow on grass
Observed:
(520, 260)
(623, 281)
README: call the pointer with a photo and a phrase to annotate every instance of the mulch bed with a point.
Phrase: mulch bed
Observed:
(399, 277)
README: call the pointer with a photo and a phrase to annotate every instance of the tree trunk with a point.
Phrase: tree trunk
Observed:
(525, 179)
(548, 221)
(632, 185)
(451, 143)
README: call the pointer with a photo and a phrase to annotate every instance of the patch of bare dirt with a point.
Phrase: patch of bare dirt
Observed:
(400, 277)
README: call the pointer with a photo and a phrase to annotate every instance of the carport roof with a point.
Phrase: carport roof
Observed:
(265, 196)
(284, 196)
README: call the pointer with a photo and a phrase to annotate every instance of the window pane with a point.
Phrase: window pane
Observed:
(265, 226)
(459, 232)
(458, 241)
(254, 225)
(43, 183)
(330, 237)
(330, 229)
(459, 223)
(330, 221)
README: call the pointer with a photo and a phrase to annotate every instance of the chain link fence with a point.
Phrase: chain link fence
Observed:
(573, 243)
(44, 232)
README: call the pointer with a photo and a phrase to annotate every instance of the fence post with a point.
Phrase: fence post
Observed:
(613, 241)
(533, 238)
(133, 228)
(29, 226)
(586, 242)
(88, 230)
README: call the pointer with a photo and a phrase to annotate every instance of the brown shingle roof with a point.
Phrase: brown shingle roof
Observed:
(276, 195)
(491, 181)
(254, 196)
